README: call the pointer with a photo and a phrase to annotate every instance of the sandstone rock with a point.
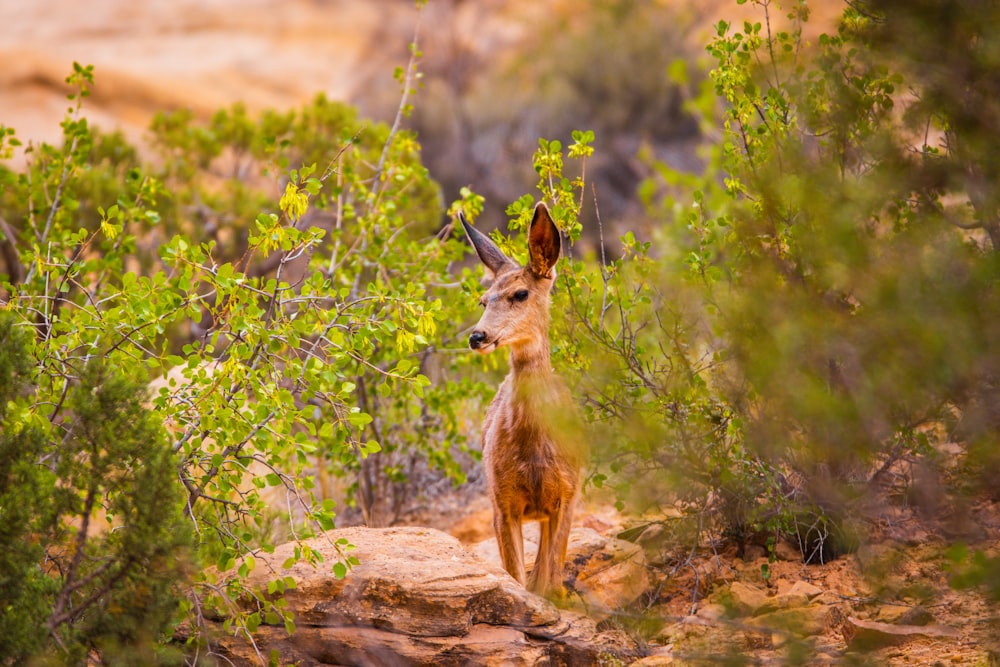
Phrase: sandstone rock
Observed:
(746, 599)
(801, 621)
(605, 572)
(371, 647)
(785, 550)
(661, 658)
(416, 598)
(797, 594)
(711, 611)
(411, 580)
(867, 635)
(685, 629)
(904, 615)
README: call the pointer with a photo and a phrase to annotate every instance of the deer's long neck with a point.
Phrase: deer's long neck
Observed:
(531, 359)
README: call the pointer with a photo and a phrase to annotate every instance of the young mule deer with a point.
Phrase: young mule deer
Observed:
(533, 465)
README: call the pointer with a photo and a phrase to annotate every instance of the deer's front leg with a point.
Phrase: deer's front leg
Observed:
(541, 579)
(561, 522)
(511, 542)
(547, 575)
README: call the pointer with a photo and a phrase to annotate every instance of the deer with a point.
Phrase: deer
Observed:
(533, 465)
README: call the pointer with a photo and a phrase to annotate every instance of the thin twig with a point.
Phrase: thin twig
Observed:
(604, 259)
(411, 71)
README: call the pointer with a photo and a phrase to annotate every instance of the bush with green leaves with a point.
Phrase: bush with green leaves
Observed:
(817, 313)
(842, 238)
(25, 506)
(290, 317)
(92, 516)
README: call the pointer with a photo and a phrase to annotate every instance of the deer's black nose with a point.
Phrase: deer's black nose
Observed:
(476, 339)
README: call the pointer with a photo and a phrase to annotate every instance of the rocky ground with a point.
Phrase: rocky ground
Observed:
(888, 603)
(423, 597)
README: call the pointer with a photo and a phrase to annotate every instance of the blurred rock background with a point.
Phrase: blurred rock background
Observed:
(497, 75)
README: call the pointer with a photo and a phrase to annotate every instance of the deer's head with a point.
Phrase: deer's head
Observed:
(516, 302)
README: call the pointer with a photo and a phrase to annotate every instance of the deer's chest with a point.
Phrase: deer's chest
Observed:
(513, 425)
(517, 444)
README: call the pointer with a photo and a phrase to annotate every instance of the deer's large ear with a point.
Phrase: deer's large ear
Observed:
(489, 253)
(543, 243)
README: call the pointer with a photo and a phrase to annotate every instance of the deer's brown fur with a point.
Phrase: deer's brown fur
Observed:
(533, 464)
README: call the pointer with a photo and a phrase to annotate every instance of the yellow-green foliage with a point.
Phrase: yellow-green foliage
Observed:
(286, 278)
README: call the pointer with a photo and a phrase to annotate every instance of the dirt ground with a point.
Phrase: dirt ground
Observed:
(915, 584)
(899, 576)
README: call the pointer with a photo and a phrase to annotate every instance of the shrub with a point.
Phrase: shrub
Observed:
(846, 260)
(290, 316)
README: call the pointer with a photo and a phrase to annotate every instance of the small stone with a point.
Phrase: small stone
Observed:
(867, 635)
(797, 595)
(801, 621)
(654, 661)
(890, 613)
(916, 616)
(605, 523)
(904, 615)
(745, 599)
(827, 598)
(712, 611)
(805, 588)
(756, 641)
(652, 540)
(660, 656)
(787, 551)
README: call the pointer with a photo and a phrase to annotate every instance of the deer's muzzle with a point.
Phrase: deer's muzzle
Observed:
(477, 339)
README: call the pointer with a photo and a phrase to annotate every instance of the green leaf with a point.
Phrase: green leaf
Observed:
(359, 419)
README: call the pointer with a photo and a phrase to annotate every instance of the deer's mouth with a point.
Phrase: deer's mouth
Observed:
(486, 348)
(480, 342)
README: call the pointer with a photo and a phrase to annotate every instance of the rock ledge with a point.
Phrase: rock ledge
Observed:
(418, 597)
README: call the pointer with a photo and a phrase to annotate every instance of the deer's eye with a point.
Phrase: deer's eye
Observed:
(521, 295)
